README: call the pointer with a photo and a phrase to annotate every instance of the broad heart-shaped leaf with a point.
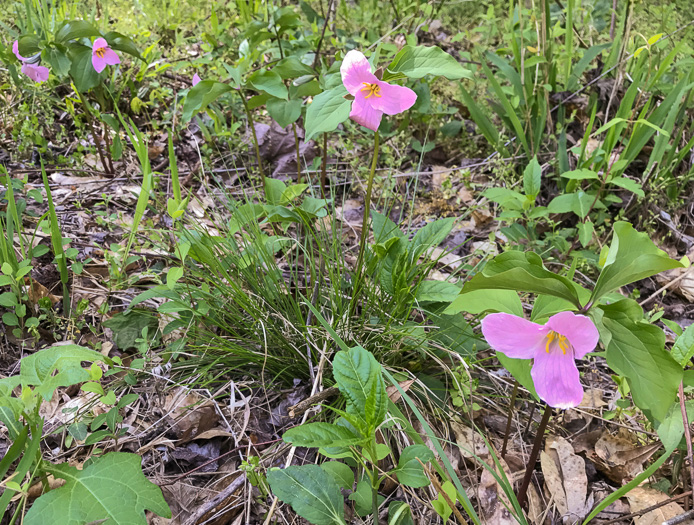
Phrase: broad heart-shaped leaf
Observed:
(201, 95)
(29, 45)
(321, 435)
(269, 82)
(358, 376)
(479, 301)
(636, 350)
(111, 488)
(362, 498)
(409, 470)
(419, 61)
(38, 369)
(82, 71)
(72, 29)
(58, 60)
(312, 493)
(683, 349)
(327, 111)
(524, 272)
(284, 112)
(632, 257)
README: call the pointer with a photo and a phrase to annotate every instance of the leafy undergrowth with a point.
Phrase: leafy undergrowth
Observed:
(224, 301)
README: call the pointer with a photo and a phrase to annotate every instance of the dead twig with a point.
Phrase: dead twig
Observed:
(217, 500)
(648, 509)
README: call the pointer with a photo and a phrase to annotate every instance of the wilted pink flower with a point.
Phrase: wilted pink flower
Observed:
(196, 79)
(15, 50)
(372, 97)
(553, 347)
(102, 55)
(33, 71)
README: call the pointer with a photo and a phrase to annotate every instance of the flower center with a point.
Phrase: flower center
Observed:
(372, 89)
(100, 52)
(561, 341)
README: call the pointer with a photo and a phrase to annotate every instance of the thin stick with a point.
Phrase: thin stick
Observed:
(679, 519)
(217, 500)
(687, 437)
(523, 492)
(316, 58)
(439, 489)
(668, 285)
(511, 406)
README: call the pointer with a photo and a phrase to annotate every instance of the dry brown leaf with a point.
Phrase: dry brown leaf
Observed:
(191, 415)
(469, 442)
(593, 398)
(394, 394)
(439, 174)
(493, 501)
(643, 497)
(566, 479)
(619, 459)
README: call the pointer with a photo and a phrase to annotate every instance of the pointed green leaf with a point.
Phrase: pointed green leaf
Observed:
(269, 82)
(636, 350)
(358, 376)
(632, 257)
(341, 473)
(321, 435)
(284, 112)
(532, 178)
(202, 95)
(420, 61)
(327, 111)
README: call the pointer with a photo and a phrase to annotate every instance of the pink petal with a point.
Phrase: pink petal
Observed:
(98, 63)
(514, 336)
(99, 43)
(578, 329)
(365, 114)
(356, 71)
(196, 79)
(35, 73)
(556, 378)
(111, 57)
(15, 50)
(394, 99)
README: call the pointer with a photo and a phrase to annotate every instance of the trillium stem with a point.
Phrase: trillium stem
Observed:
(530, 468)
(365, 225)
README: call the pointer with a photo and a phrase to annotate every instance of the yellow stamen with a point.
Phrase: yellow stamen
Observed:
(100, 52)
(561, 341)
(373, 89)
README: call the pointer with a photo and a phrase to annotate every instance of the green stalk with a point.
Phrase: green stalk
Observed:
(57, 241)
(251, 124)
(365, 224)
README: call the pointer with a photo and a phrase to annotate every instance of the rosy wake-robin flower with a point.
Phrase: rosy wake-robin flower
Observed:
(554, 347)
(372, 96)
(33, 71)
(196, 79)
(103, 55)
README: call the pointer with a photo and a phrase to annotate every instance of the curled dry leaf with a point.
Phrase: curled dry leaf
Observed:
(566, 479)
(191, 416)
(619, 459)
(643, 497)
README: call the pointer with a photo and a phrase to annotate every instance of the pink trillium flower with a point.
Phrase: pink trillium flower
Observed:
(103, 55)
(196, 79)
(372, 96)
(33, 71)
(554, 347)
